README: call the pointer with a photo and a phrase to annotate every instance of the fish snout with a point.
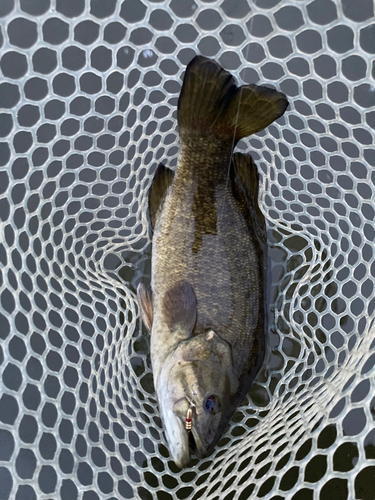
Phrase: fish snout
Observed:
(178, 441)
(176, 434)
(181, 408)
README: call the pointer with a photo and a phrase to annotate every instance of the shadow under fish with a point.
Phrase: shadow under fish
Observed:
(205, 309)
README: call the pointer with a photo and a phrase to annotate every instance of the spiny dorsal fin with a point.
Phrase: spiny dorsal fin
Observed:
(163, 178)
(144, 295)
(246, 180)
(180, 307)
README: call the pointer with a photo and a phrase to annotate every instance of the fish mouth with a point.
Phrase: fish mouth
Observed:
(183, 443)
(179, 445)
(195, 444)
(192, 444)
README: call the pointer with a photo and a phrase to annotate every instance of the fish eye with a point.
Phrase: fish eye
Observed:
(211, 404)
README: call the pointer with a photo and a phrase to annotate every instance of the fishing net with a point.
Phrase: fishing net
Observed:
(88, 99)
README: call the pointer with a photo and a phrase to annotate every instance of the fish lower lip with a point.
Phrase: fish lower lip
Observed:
(181, 452)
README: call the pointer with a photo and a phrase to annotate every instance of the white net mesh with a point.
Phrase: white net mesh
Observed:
(88, 96)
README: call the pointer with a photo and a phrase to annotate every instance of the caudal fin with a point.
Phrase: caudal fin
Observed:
(211, 104)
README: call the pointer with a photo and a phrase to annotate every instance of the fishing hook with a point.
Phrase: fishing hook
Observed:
(189, 413)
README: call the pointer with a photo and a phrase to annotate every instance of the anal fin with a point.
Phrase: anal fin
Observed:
(160, 184)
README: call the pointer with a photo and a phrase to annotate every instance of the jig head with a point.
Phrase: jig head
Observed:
(189, 418)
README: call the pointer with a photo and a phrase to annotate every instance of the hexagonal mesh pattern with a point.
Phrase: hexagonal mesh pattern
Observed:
(88, 108)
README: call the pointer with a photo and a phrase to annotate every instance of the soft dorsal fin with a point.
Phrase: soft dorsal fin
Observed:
(246, 181)
(163, 178)
(180, 308)
(144, 295)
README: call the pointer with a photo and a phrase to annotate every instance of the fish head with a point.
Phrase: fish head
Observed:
(198, 375)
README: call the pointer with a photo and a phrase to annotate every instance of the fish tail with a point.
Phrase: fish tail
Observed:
(211, 104)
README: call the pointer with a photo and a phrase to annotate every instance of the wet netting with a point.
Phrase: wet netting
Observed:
(88, 97)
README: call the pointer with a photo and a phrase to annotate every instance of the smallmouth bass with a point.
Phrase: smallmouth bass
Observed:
(205, 309)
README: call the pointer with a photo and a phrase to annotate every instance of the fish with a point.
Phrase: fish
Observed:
(205, 309)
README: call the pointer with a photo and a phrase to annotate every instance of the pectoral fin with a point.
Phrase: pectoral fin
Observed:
(246, 183)
(160, 184)
(144, 295)
(180, 308)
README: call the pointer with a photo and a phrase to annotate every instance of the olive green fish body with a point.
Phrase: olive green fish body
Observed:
(206, 307)
(204, 237)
